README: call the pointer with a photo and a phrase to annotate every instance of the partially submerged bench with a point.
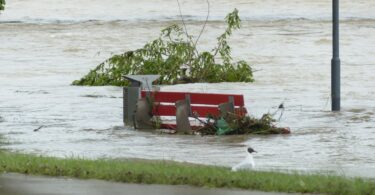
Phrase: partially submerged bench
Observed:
(184, 106)
(144, 106)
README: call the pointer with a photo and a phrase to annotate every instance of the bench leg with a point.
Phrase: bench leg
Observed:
(182, 116)
(142, 118)
(227, 107)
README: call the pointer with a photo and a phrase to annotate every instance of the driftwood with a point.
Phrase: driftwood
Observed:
(39, 128)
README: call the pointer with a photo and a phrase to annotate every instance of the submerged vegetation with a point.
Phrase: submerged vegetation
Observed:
(173, 173)
(175, 57)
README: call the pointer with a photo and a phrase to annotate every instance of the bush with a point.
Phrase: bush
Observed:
(2, 4)
(174, 56)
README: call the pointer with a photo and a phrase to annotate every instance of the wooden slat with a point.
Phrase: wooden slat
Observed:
(174, 126)
(202, 111)
(196, 98)
(170, 110)
(164, 110)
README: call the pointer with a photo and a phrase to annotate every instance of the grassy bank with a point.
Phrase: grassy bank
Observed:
(162, 172)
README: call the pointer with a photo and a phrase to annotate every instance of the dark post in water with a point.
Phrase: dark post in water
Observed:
(335, 62)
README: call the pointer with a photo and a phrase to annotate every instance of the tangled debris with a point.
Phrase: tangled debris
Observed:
(233, 124)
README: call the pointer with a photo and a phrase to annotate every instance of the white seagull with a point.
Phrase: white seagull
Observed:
(247, 163)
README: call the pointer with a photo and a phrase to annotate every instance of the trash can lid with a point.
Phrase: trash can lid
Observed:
(142, 80)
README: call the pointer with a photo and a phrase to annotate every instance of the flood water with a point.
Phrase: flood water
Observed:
(46, 44)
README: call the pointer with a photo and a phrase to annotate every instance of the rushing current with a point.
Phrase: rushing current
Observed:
(46, 44)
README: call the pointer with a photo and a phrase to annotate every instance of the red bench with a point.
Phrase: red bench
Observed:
(197, 105)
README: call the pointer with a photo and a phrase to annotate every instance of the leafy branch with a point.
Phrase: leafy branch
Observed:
(168, 56)
(2, 4)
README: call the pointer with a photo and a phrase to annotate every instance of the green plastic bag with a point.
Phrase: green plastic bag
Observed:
(222, 127)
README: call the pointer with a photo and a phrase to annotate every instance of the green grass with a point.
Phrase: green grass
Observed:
(166, 172)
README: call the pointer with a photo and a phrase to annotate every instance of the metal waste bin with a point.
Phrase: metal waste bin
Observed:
(131, 94)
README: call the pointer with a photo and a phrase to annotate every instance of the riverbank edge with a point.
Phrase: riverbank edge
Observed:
(174, 173)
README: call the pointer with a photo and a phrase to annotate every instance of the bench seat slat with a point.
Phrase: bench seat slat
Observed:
(174, 126)
(203, 111)
(196, 98)
(170, 110)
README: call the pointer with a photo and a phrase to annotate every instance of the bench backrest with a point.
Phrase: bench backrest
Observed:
(200, 103)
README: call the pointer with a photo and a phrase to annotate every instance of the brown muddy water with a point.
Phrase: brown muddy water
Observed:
(45, 45)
